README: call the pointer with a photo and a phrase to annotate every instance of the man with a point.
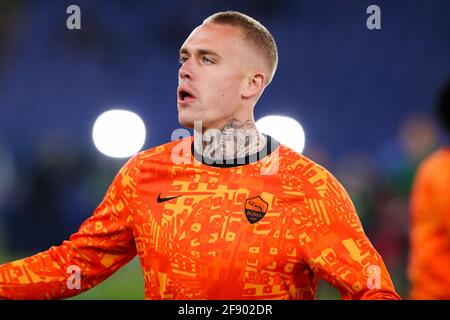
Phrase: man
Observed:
(231, 215)
(430, 219)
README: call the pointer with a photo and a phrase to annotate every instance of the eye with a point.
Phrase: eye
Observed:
(183, 60)
(207, 60)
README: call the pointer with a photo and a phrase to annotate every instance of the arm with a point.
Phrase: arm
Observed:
(102, 245)
(338, 250)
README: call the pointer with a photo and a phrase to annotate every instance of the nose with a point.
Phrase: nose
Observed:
(185, 72)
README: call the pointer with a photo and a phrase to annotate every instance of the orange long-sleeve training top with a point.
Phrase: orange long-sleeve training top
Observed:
(267, 229)
(429, 264)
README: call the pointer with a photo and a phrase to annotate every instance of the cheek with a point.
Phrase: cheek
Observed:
(228, 90)
(222, 94)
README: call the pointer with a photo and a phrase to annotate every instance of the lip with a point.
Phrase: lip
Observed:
(186, 100)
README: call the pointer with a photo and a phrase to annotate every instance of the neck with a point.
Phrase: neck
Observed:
(236, 139)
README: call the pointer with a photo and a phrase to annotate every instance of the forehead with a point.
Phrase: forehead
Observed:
(212, 36)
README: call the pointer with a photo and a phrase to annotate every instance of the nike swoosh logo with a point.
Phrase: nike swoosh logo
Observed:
(165, 199)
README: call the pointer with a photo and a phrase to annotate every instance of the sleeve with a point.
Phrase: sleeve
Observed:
(337, 249)
(103, 244)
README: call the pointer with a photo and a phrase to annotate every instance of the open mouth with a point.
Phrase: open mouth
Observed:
(185, 95)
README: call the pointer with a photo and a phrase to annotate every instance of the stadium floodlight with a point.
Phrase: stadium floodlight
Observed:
(284, 129)
(119, 133)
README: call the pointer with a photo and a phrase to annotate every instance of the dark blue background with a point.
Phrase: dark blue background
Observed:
(354, 90)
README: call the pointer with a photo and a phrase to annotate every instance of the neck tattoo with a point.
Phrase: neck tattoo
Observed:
(236, 139)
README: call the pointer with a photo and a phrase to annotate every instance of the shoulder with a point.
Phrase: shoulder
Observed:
(166, 149)
(434, 171)
(436, 162)
(158, 161)
(163, 153)
(313, 179)
(302, 166)
(325, 198)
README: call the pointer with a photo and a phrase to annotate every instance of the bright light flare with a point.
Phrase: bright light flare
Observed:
(284, 129)
(119, 133)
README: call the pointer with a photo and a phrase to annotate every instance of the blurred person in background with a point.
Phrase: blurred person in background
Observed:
(429, 261)
(216, 227)
(416, 138)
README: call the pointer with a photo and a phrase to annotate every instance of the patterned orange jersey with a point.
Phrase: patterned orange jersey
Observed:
(268, 229)
(430, 229)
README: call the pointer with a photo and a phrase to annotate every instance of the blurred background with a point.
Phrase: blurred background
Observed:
(363, 97)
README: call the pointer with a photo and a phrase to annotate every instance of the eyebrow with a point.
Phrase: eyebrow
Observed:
(200, 52)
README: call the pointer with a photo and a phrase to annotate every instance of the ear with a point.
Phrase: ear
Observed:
(254, 85)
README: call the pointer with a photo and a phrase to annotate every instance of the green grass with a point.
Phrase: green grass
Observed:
(128, 284)
(326, 291)
(125, 284)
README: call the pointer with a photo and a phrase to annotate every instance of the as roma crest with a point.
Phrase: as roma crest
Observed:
(255, 209)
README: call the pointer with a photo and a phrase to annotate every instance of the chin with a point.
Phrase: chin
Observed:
(188, 117)
(187, 123)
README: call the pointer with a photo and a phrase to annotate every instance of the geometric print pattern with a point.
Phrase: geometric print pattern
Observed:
(200, 244)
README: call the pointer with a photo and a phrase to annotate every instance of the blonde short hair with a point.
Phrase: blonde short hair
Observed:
(254, 32)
